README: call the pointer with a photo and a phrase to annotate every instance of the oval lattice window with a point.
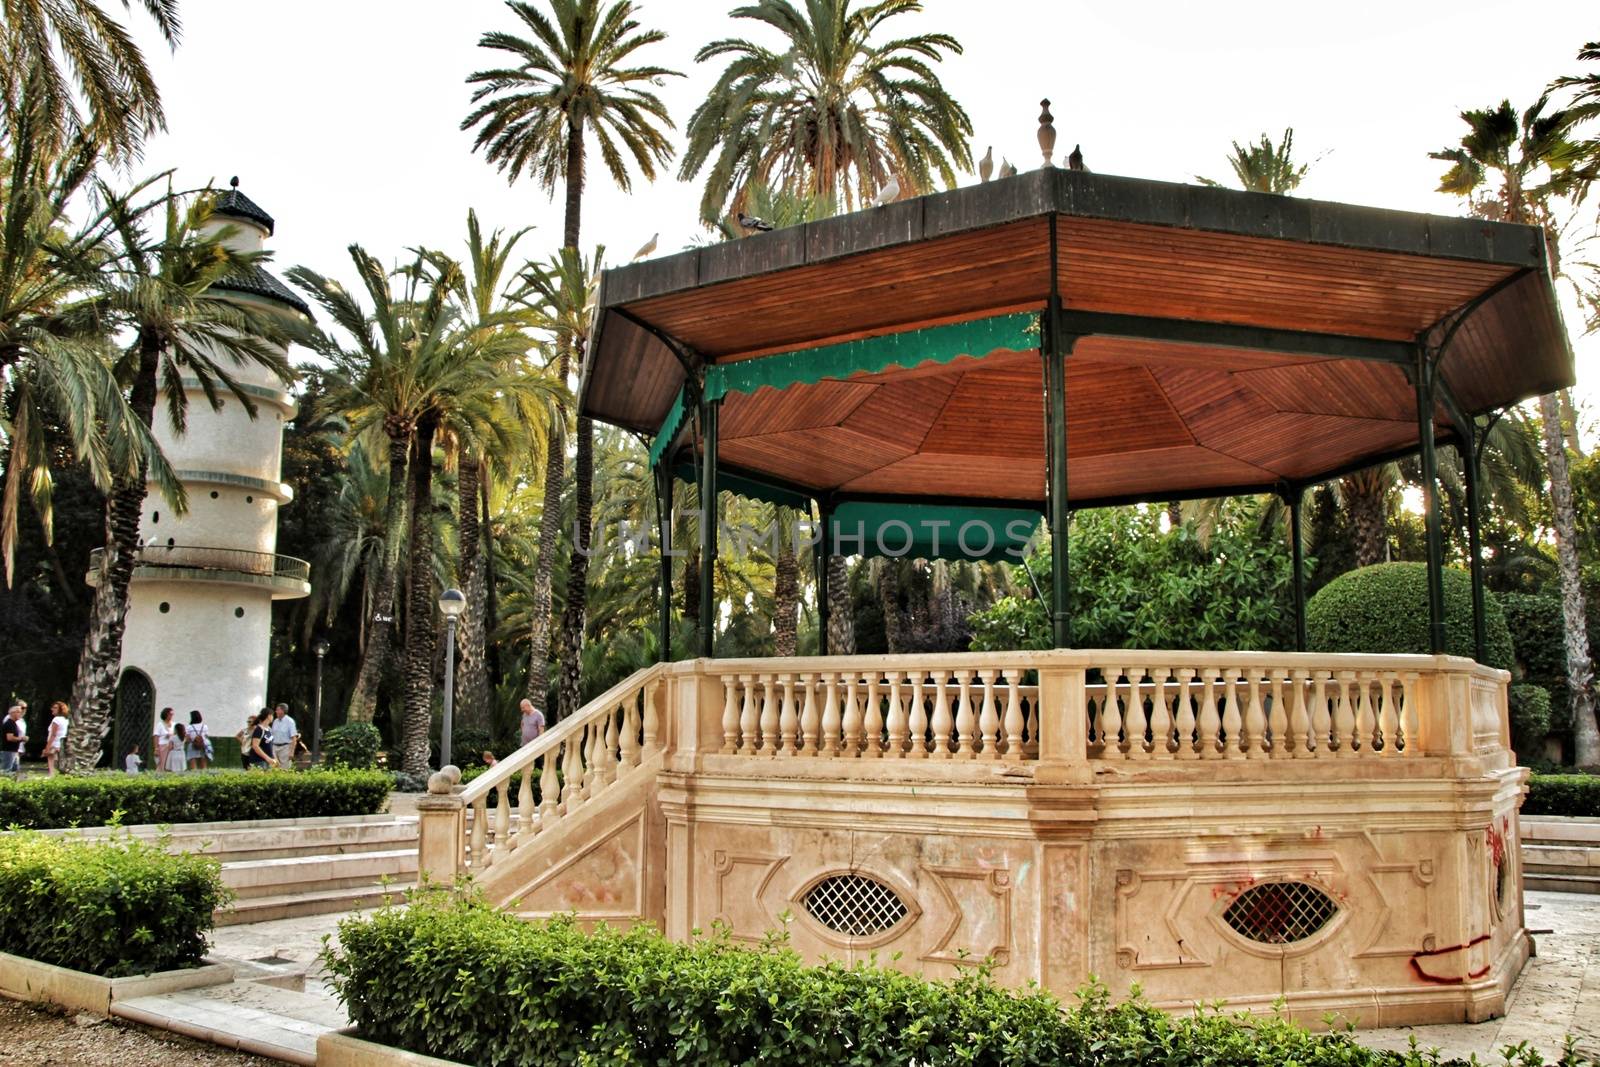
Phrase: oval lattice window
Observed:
(854, 905)
(1280, 913)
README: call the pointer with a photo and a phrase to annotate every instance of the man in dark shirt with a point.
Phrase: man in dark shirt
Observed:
(12, 731)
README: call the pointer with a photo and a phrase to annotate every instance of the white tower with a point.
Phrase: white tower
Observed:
(200, 603)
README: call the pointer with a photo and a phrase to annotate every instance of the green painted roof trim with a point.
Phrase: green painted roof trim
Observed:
(1018, 332)
(931, 531)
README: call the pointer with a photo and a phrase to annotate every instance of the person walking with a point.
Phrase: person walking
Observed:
(55, 742)
(284, 735)
(532, 721)
(175, 761)
(258, 751)
(12, 733)
(197, 742)
(161, 738)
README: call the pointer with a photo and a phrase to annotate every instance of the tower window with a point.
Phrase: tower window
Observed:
(155, 517)
(214, 494)
(165, 607)
(249, 500)
(169, 542)
(238, 613)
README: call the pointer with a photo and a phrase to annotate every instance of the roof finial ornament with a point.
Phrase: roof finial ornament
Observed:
(234, 181)
(1047, 132)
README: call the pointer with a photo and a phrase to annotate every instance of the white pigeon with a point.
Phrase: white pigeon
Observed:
(1006, 169)
(649, 247)
(986, 165)
(888, 193)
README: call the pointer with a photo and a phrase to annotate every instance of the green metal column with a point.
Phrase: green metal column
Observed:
(663, 481)
(1056, 346)
(708, 524)
(1430, 501)
(820, 556)
(1472, 459)
(1294, 499)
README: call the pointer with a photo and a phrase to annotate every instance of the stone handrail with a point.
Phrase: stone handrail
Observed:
(572, 762)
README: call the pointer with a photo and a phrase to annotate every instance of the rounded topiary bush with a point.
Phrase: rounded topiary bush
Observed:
(354, 745)
(1530, 715)
(1384, 608)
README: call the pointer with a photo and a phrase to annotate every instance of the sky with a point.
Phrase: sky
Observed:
(341, 117)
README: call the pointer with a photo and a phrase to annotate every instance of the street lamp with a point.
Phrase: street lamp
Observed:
(321, 649)
(452, 602)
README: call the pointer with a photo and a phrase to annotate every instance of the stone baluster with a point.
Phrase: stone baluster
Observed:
(525, 802)
(768, 745)
(1255, 721)
(628, 749)
(810, 717)
(966, 719)
(1232, 717)
(747, 715)
(1030, 747)
(608, 751)
(917, 721)
(1366, 715)
(571, 773)
(651, 732)
(788, 719)
(830, 716)
(1410, 728)
(897, 725)
(502, 824)
(1388, 718)
(1185, 716)
(589, 759)
(942, 721)
(1014, 722)
(549, 790)
(1110, 717)
(1282, 744)
(852, 717)
(1210, 722)
(1160, 714)
(1134, 720)
(1299, 717)
(730, 714)
(872, 721)
(1344, 719)
(987, 738)
(479, 848)
(1321, 720)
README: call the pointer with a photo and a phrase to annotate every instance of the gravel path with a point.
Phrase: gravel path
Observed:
(30, 1037)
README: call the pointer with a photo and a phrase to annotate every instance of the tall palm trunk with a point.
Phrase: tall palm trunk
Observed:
(786, 597)
(1580, 672)
(380, 635)
(420, 643)
(1366, 499)
(691, 586)
(100, 662)
(889, 600)
(573, 614)
(555, 458)
(491, 601)
(841, 610)
(472, 673)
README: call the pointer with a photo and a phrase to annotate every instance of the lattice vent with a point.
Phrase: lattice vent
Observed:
(854, 905)
(1280, 913)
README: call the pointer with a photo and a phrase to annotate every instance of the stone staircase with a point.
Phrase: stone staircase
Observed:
(284, 868)
(1561, 854)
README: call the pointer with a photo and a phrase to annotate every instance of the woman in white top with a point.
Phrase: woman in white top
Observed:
(162, 738)
(55, 742)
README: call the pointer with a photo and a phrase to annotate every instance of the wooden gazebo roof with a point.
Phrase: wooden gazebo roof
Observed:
(1230, 342)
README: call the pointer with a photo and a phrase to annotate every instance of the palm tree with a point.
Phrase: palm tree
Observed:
(158, 289)
(1519, 168)
(831, 111)
(568, 78)
(54, 52)
(1265, 167)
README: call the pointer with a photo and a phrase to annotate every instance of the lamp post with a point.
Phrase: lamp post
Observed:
(452, 602)
(321, 650)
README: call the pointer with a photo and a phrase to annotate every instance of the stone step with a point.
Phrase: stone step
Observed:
(283, 838)
(273, 877)
(1554, 829)
(254, 1017)
(1561, 883)
(310, 902)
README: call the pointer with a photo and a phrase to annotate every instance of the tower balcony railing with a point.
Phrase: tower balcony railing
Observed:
(284, 574)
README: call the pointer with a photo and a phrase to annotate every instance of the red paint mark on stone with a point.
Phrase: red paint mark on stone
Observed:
(1438, 979)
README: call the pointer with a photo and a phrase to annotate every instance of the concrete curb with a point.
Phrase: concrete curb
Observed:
(44, 983)
(342, 1048)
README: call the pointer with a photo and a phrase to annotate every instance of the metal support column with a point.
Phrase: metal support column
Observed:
(1054, 347)
(708, 525)
(820, 554)
(1430, 500)
(1471, 459)
(1295, 498)
(663, 483)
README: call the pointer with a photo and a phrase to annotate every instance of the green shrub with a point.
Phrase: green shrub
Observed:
(460, 980)
(225, 752)
(1385, 609)
(1530, 718)
(93, 800)
(109, 907)
(354, 745)
(1538, 636)
(1563, 794)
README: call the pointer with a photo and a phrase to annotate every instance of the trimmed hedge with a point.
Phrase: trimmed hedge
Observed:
(1538, 634)
(1384, 608)
(1530, 718)
(1563, 794)
(109, 907)
(463, 981)
(224, 796)
(354, 745)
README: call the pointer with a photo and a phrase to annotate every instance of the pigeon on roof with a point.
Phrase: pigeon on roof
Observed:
(751, 222)
(649, 247)
(986, 165)
(888, 193)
